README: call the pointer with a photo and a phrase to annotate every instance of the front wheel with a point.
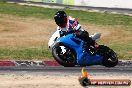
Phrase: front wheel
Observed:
(64, 55)
(110, 58)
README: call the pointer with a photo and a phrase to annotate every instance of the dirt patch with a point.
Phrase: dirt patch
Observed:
(114, 33)
(35, 32)
(24, 32)
(50, 81)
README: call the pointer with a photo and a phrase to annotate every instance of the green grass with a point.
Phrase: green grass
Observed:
(90, 17)
(25, 53)
(83, 16)
(124, 51)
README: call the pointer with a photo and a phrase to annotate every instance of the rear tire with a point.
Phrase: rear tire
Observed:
(68, 59)
(110, 58)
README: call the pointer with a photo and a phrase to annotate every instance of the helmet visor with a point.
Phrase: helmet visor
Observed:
(60, 21)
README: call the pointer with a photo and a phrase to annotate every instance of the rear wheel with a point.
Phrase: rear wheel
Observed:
(64, 55)
(109, 56)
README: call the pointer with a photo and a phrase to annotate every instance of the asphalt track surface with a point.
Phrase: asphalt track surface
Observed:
(60, 70)
(123, 69)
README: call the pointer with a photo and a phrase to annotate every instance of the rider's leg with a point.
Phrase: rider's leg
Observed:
(89, 43)
(84, 35)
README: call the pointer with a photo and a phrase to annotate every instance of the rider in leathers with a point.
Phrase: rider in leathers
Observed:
(67, 24)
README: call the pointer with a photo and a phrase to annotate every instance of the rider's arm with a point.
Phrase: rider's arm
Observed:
(75, 25)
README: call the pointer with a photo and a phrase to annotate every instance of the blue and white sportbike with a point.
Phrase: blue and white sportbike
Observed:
(70, 51)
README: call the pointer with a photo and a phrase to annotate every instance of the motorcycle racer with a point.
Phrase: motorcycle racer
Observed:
(68, 50)
(68, 24)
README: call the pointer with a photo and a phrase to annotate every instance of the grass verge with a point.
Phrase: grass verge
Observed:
(24, 54)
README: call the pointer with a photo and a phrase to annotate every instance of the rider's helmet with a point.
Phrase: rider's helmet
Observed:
(60, 18)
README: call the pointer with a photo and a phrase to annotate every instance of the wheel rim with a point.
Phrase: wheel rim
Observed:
(67, 56)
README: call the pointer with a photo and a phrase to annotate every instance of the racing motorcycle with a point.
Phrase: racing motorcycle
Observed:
(70, 51)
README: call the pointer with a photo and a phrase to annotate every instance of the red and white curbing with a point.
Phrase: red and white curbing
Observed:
(28, 63)
(51, 63)
(8, 63)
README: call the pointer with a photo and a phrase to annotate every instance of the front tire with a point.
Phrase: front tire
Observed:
(66, 59)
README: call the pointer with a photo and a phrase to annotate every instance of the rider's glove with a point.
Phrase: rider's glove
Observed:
(78, 27)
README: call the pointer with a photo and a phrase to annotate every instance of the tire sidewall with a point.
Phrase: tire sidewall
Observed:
(106, 62)
(58, 59)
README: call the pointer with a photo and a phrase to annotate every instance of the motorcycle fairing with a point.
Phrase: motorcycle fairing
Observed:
(83, 58)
